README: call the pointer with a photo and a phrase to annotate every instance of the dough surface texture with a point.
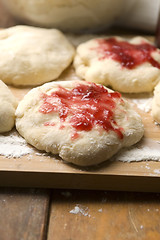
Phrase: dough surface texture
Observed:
(32, 56)
(8, 104)
(94, 63)
(85, 123)
(156, 104)
(67, 15)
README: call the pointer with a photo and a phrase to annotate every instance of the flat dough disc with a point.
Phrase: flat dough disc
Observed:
(80, 121)
(93, 63)
(32, 56)
(8, 104)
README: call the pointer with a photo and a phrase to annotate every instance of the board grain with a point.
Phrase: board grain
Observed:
(104, 215)
(24, 213)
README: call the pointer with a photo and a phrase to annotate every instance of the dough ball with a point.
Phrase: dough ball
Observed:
(156, 104)
(67, 15)
(126, 66)
(32, 56)
(8, 104)
(85, 123)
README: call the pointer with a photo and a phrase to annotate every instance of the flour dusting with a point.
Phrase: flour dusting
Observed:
(146, 149)
(80, 210)
(144, 104)
(157, 171)
(100, 210)
(12, 145)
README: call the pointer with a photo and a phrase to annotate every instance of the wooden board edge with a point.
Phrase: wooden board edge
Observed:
(79, 181)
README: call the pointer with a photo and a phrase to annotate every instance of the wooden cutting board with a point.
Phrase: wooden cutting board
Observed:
(52, 172)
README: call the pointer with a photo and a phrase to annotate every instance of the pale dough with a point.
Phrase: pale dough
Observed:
(51, 133)
(90, 66)
(156, 104)
(32, 56)
(67, 15)
(8, 104)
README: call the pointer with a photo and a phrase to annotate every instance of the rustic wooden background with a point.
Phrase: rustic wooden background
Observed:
(38, 214)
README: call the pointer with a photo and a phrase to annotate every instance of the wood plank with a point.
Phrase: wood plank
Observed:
(24, 213)
(50, 171)
(105, 216)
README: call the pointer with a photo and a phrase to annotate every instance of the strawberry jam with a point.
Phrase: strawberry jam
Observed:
(127, 54)
(85, 105)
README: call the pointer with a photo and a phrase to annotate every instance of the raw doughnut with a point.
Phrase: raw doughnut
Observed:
(126, 66)
(32, 56)
(85, 123)
(67, 15)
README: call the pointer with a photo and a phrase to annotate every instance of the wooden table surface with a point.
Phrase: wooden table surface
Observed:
(38, 214)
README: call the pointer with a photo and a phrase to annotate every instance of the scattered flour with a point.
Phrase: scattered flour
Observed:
(80, 210)
(147, 167)
(156, 123)
(146, 149)
(12, 145)
(141, 226)
(143, 104)
(143, 101)
(157, 171)
(100, 210)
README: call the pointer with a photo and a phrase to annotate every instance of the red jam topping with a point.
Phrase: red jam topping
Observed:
(86, 106)
(127, 54)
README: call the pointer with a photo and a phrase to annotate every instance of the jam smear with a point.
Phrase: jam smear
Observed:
(127, 54)
(85, 105)
(49, 124)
